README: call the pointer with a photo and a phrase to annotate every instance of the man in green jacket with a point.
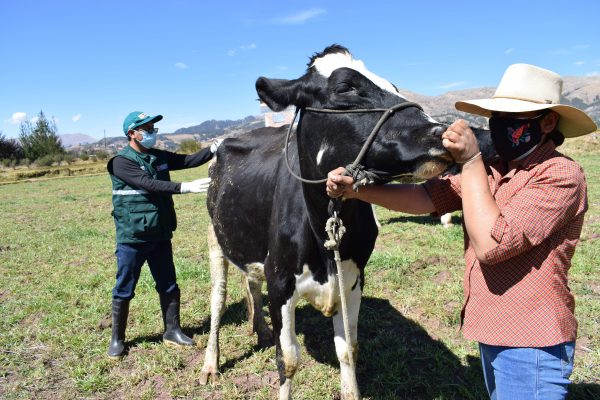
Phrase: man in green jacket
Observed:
(145, 219)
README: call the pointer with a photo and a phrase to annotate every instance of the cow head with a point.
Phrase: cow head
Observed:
(408, 143)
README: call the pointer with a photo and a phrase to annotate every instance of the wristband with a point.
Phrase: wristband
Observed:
(470, 160)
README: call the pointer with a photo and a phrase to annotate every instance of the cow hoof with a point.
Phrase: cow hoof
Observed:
(208, 376)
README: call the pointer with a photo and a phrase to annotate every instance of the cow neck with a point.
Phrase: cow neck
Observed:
(319, 208)
(356, 170)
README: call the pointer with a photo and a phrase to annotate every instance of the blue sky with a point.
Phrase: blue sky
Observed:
(89, 63)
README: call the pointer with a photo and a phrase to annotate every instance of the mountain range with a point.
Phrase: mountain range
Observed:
(580, 92)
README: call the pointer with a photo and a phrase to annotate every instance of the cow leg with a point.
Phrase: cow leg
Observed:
(253, 281)
(218, 280)
(446, 220)
(349, 384)
(286, 342)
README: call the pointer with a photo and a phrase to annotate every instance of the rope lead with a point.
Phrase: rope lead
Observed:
(335, 230)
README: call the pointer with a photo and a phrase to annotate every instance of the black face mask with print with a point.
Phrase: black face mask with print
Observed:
(514, 138)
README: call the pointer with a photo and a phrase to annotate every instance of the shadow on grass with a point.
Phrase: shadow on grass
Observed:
(398, 359)
(234, 314)
(417, 219)
(584, 391)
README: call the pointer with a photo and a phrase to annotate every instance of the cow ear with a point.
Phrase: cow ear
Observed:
(278, 94)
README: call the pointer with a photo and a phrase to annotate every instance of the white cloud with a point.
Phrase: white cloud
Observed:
(246, 47)
(593, 73)
(581, 46)
(508, 51)
(299, 18)
(181, 65)
(76, 118)
(451, 85)
(18, 117)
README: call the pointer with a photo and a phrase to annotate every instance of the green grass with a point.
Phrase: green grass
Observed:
(57, 269)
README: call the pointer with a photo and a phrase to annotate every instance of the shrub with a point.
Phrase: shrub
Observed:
(69, 158)
(189, 146)
(45, 161)
(58, 158)
(10, 148)
(101, 155)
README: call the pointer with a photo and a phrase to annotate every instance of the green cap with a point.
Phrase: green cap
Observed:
(137, 118)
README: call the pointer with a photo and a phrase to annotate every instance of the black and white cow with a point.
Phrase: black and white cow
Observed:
(272, 226)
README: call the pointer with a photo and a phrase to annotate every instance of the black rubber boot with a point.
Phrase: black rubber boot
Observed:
(120, 311)
(169, 304)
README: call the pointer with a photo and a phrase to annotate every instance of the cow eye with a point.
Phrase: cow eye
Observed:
(344, 87)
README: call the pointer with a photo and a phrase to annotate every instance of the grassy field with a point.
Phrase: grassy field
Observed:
(57, 269)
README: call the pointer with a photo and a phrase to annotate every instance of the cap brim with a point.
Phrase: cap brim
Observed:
(147, 120)
(573, 122)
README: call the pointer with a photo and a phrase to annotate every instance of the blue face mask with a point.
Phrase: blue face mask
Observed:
(148, 139)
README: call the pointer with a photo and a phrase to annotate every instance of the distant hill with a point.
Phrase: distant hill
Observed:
(214, 128)
(580, 92)
(74, 139)
(205, 133)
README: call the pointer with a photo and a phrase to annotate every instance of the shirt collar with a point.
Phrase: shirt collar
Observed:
(539, 155)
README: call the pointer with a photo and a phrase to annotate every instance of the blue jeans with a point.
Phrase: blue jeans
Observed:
(527, 373)
(131, 257)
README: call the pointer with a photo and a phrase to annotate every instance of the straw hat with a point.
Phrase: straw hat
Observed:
(526, 88)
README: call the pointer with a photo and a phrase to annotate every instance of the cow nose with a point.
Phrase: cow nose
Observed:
(438, 130)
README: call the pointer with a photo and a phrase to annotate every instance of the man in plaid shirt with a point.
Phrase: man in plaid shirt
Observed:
(522, 219)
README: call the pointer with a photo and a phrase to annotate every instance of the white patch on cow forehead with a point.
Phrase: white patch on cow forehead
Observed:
(330, 62)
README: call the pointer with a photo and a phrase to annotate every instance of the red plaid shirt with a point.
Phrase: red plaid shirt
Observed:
(521, 297)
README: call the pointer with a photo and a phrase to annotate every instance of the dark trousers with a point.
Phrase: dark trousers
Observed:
(131, 257)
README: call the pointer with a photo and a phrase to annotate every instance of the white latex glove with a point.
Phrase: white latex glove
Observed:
(215, 145)
(197, 186)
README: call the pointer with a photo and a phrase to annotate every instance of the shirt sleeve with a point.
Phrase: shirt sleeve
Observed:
(183, 161)
(131, 173)
(552, 199)
(444, 193)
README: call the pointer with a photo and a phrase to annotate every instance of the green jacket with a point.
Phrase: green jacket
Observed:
(141, 216)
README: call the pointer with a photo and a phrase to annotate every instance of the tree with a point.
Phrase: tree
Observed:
(40, 139)
(10, 148)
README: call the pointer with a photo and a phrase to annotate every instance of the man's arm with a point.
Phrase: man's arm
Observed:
(407, 198)
(183, 161)
(131, 173)
(480, 210)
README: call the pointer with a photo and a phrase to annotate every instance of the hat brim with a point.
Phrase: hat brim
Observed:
(147, 120)
(573, 122)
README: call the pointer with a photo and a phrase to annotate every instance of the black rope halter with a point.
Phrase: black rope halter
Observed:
(356, 170)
